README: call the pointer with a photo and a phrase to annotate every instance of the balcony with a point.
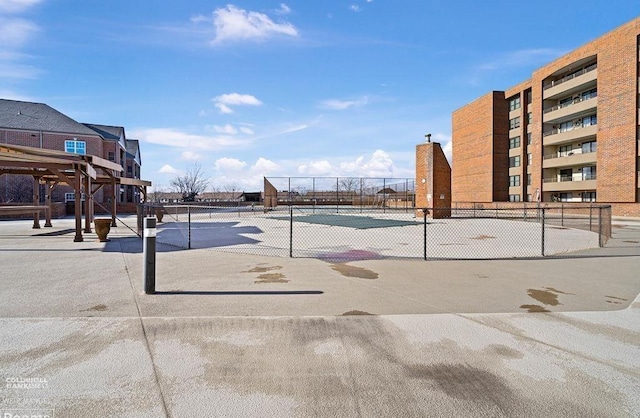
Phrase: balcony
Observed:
(571, 83)
(559, 112)
(567, 184)
(555, 137)
(570, 159)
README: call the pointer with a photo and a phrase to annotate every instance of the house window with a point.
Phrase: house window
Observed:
(514, 161)
(514, 198)
(514, 142)
(75, 147)
(588, 196)
(589, 173)
(514, 181)
(514, 103)
(514, 123)
(111, 156)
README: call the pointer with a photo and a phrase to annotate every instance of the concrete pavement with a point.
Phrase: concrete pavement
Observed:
(237, 335)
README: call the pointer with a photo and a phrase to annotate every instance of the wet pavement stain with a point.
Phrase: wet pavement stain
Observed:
(534, 308)
(271, 278)
(617, 298)
(551, 289)
(263, 269)
(549, 296)
(483, 237)
(353, 271)
(356, 313)
(99, 308)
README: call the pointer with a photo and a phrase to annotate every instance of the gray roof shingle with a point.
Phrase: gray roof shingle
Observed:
(38, 117)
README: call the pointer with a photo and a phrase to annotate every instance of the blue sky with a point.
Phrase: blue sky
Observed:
(264, 88)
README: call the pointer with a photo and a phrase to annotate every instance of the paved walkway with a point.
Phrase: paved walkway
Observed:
(239, 335)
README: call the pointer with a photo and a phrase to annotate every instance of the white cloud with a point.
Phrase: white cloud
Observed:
(15, 33)
(14, 6)
(226, 163)
(191, 156)
(379, 165)
(167, 169)
(246, 130)
(335, 104)
(234, 24)
(224, 101)
(175, 138)
(316, 168)
(263, 165)
(283, 10)
(226, 129)
(355, 8)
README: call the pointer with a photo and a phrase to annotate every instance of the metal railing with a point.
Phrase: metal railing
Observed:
(576, 100)
(461, 232)
(570, 76)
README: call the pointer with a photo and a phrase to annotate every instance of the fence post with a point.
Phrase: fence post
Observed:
(561, 214)
(424, 235)
(290, 231)
(542, 223)
(149, 251)
(590, 217)
(600, 240)
(189, 227)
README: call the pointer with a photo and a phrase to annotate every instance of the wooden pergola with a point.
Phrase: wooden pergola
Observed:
(50, 167)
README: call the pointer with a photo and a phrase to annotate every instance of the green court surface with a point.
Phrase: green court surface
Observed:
(350, 221)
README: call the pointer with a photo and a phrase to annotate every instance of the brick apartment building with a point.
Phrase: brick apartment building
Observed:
(40, 126)
(568, 134)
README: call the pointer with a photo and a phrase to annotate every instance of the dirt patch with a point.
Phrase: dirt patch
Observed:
(353, 271)
(356, 313)
(534, 308)
(99, 308)
(545, 296)
(271, 278)
(263, 269)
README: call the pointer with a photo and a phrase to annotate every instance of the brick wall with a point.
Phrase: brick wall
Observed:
(435, 191)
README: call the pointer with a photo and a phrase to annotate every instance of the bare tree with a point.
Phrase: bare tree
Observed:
(190, 184)
(349, 185)
(156, 195)
(20, 188)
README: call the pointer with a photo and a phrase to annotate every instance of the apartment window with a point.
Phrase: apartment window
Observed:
(565, 197)
(529, 198)
(588, 196)
(529, 156)
(589, 120)
(514, 123)
(514, 161)
(564, 150)
(529, 180)
(75, 147)
(588, 147)
(529, 138)
(514, 181)
(565, 102)
(514, 103)
(589, 173)
(589, 94)
(528, 96)
(566, 175)
(111, 156)
(514, 142)
(514, 198)
(529, 118)
(71, 197)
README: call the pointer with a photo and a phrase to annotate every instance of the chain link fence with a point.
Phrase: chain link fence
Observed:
(347, 233)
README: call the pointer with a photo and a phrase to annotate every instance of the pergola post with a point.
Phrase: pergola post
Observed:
(88, 205)
(36, 202)
(47, 201)
(77, 185)
(113, 203)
